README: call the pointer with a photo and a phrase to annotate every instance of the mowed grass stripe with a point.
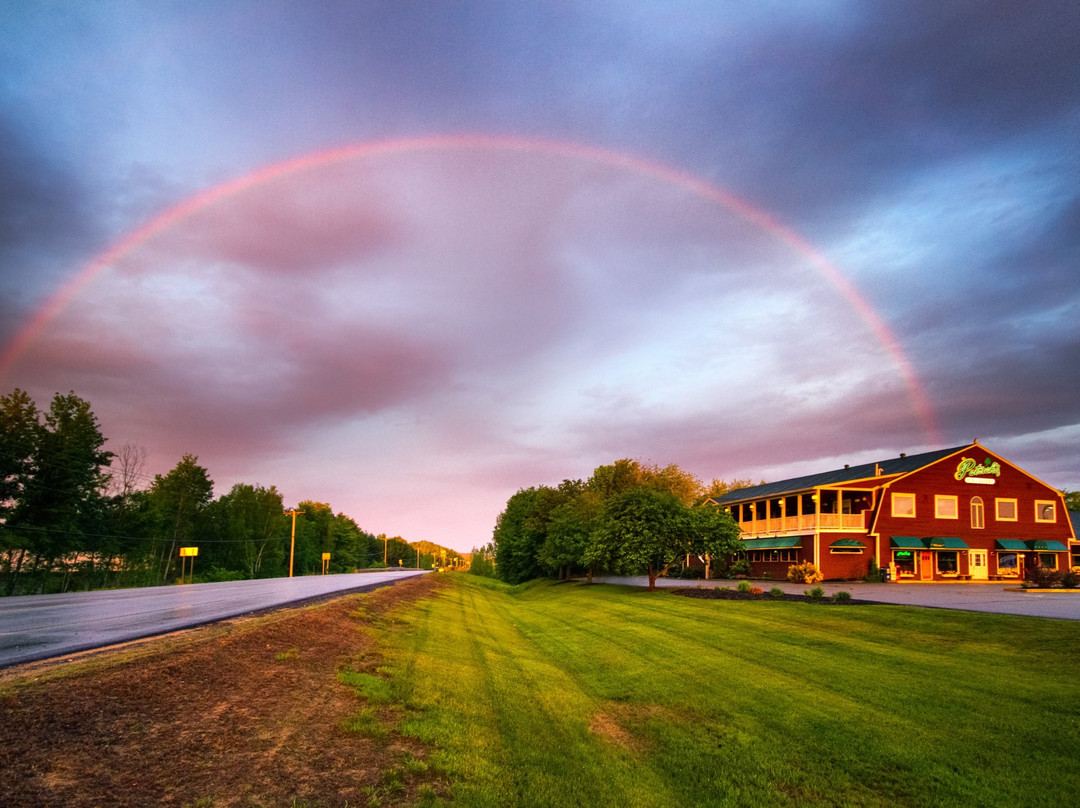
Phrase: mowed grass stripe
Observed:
(740, 677)
(511, 725)
(570, 695)
(963, 672)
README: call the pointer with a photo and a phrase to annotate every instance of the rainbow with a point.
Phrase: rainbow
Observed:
(667, 174)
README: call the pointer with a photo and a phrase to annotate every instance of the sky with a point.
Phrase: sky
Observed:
(409, 257)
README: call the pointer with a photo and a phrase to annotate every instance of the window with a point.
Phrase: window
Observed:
(1008, 564)
(1006, 510)
(1076, 558)
(977, 512)
(1048, 560)
(1045, 511)
(845, 549)
(904, 561)
(945, 507)
(903, 504)
(764, 556)
(948, 561)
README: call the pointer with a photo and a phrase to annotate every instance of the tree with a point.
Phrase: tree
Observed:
(567, 534)
(252, 525)
(714, 534)
(644, 530)
(641, 530)
(718, 487)
(54, 478)
(482, 561)
(20, 439)
(1072, 500)
(515, 549)
(178, 499)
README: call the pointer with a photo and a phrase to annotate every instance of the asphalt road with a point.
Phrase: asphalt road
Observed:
(989, 597)
(36, 627)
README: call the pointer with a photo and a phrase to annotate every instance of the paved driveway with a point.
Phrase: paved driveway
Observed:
(992, 597)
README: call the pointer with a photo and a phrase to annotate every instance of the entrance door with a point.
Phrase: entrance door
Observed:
(977, 568)
(926, 566)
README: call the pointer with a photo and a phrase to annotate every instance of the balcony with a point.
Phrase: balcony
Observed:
(807, 523)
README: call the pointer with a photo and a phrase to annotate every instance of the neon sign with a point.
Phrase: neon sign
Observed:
(972, 472)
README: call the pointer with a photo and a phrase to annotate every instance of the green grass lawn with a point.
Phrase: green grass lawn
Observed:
(548, 695)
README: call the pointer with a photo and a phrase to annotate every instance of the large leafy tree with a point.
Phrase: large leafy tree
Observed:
(20, 440)
(178, 500)
(251, 525)
(641, 530)
(650, 531)
(54, 476)
(567, 528)
(513, 538)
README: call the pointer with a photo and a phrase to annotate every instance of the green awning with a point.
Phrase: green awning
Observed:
(848, 543)
(907, 543)
(1047, 546)
(1010, 544)
(946, 543)
(779, 543)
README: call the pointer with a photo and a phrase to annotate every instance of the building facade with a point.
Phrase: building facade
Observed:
(960, 514)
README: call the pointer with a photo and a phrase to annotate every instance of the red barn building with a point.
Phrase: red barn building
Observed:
(953, 514)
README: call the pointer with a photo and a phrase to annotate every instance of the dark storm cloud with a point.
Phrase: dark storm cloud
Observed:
(825, 114)
(484, 321)
(41, 201)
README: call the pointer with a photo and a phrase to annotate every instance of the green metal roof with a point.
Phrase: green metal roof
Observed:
(1047, 546)
(907, 543)
(1010, 544)
(848, 543)
(946, 543)
(778, 543)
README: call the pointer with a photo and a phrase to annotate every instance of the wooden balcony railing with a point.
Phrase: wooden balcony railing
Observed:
(807, 522)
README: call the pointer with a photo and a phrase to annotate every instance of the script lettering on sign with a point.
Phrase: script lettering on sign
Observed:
(968, 468)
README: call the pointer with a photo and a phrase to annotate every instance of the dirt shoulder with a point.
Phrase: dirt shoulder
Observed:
(243, 713)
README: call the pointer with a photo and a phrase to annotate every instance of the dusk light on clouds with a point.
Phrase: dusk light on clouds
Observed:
(407, 258)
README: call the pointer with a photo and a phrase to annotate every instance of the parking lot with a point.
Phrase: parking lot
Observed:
(992, 597)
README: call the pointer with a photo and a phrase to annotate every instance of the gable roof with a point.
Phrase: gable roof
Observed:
(889, 468)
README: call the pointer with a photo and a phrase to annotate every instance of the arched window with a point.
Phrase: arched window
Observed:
(976, 512)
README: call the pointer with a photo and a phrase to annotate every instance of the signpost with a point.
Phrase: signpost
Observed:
(325, 563)
(186, 553)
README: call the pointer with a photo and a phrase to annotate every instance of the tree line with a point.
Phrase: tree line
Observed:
(627, 518)
(74, 515)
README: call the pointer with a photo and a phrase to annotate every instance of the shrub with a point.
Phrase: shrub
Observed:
(756, 590)
(1042, 577)
(689, 573)
(817, 593)
(744, 586)
(740, 567)
(776, 592)
(804, 573)
(842, 597)
(218, 575)
(874, 573)
(1069, 580)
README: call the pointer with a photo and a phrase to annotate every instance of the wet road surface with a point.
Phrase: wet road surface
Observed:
(36, 627)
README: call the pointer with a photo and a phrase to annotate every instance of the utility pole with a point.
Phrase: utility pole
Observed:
(292, 544)
(385, 544)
